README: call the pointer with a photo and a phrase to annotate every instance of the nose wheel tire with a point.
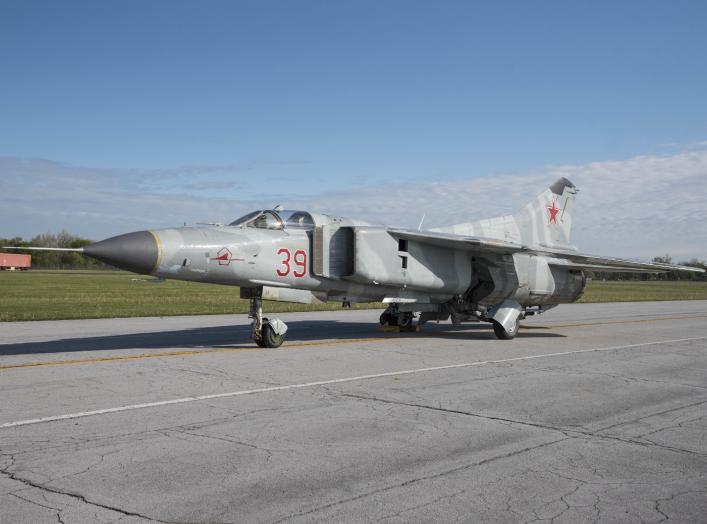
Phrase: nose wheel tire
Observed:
(268, 338)
(501, 332)
(263, 334)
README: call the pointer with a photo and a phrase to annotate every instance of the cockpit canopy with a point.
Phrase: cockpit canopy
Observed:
(269, 219)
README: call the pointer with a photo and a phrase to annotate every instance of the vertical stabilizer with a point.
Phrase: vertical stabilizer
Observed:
(547, 220)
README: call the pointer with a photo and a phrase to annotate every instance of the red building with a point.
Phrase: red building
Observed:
(11, 261)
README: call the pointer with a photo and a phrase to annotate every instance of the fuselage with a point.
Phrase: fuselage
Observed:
(497, 270)
(249, 257)
(337, 258)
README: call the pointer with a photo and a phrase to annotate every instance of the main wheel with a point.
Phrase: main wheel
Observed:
(501, 332)
(388, 319)
(406, 319)
(269, 339)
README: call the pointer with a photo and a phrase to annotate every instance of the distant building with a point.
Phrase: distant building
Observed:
(12, 262)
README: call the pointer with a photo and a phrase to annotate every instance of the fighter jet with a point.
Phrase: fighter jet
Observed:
(499, 270)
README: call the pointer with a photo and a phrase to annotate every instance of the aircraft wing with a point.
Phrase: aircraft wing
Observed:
(466, 243)
(609, 265)
(556, 257)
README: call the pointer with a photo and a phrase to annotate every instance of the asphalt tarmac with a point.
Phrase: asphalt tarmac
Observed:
(594, 413)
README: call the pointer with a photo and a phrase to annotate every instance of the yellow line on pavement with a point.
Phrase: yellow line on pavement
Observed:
(233, 349)
(634, 321)
(191, 352)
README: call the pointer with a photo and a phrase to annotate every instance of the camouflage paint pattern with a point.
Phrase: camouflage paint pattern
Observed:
(526, 258)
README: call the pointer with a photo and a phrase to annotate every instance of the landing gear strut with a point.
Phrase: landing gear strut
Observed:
(267, 333)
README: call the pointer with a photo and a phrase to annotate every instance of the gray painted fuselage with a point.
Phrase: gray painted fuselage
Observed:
(498, 270)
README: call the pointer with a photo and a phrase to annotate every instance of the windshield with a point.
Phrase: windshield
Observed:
(272, 220)
(245, 218)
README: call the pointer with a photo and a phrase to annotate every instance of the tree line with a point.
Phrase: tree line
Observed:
(55, 259)
(668, 275)
(70, 260)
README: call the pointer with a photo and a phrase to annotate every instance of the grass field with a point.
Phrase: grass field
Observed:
(598, 291)
(53, 295)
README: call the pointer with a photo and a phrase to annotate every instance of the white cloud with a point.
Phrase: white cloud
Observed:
(640, 207)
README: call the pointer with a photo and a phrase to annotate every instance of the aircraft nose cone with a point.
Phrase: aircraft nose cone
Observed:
(137, 252)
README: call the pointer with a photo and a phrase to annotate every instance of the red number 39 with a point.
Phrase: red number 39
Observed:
(299, 259)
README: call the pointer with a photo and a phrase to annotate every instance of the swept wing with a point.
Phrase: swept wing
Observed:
(608, 264)
(556, 257)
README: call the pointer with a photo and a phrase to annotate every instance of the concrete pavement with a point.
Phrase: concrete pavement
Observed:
(594, 413)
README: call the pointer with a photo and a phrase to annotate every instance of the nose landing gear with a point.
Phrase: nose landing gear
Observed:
(267, 333)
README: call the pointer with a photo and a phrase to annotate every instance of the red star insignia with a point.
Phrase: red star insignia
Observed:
(552, 213)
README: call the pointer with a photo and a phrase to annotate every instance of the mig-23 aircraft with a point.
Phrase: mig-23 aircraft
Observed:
(498, 270)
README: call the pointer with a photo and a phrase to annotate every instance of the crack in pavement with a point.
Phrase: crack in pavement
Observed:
(77, 496)
(35, 503)
(436, 500)
(664, 515)
(81, 498)
(420, 479)
(619, 377)
(15, 494)
(658, 413)
(569, 432)
(147, 433)
(268, 451)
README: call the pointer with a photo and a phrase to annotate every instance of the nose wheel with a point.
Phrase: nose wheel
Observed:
(267, 333)
(268, 338)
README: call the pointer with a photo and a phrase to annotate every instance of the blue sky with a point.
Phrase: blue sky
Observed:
(265, 101)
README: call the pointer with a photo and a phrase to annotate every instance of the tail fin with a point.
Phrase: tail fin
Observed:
(547, 220)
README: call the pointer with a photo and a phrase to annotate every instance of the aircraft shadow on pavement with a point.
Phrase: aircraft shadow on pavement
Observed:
(302, 331)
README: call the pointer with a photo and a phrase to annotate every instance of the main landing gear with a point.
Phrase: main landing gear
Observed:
(505, 318)
(403, 320)
(267, 333)
(503, 334)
